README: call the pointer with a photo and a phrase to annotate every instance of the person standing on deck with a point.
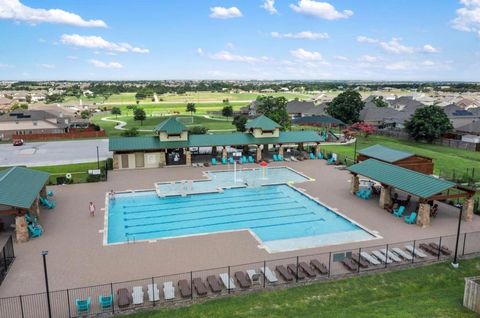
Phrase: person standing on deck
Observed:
(92, 209)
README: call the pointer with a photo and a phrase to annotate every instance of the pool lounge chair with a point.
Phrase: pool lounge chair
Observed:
(320, 155)
(105, 302)
(331, 161)
(231, 160)
(382, 257)
(153, 292)
(227, 281)
(320, 267)
(243, 280)
(427, 248)
(359, 260)
(185, 288)
(284, 273)
(123, 298)
(83, 305)
(214, 161)
(34, 231)
(312, 156)
(391, 255)
(214, 283)
(280, 158)
(275, 157)
(307, 269)
(443, 249)
(224, 161)
(254, 276)
(411, 218)
(250, 159)
(415, 251)
(371, 259)
(350, 264)
(296, 271)
(402, 253)
(199, 287)
(399, 212)
(137, 295)
(269, 275)
(244, 159)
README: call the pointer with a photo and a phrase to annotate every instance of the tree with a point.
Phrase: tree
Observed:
(85, 114)
(139, 114)
(227, 111)
(428, 123)
(364, 128)
(131, 107)
(198, 130)
(132, 132)
(240, 121)
(191, 108)
(116, 111)
(275, 108)
(380, 102)
(28, 98)
(17, 105)
(346, 106)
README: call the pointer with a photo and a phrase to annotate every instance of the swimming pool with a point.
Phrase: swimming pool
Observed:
(279, 216)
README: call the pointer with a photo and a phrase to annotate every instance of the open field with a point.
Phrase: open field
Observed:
(430, 291)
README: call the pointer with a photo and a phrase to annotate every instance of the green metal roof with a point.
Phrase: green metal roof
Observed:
(19, 186)
(262, 122)
(412, 182)
(384, 153)
(230, 139)
(171, 126)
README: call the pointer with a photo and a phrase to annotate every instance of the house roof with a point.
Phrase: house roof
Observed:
(19, 186)
(305, 108)
(384, 153)
(26, 115)
(473, 127)
(412, 182)
(262, 122)
(230, 139)
(171, 126)
(317, 120)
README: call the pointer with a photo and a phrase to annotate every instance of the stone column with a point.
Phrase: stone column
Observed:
(385, 198)
(423, 217)
(265, 150)
(224, 153)
(162, 162)
(355, 184)
(116, 164)
(43, 192)
(214, 151)
(21, 229)
(280, 151)
(35, 208)
(259, 153)
(188, 158)
(468, 209)
(300, 146)
(317, 150)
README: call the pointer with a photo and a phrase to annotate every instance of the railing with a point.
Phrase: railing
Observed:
(287, 271)
(7, 256)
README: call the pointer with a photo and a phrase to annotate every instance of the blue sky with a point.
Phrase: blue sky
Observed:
(254, 39)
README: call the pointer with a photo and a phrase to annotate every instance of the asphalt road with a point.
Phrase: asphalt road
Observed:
(54, 152)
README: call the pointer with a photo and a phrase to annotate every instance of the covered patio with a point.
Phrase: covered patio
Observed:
(424, 187)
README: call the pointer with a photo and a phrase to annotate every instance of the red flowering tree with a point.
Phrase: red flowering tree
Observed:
(364, 128)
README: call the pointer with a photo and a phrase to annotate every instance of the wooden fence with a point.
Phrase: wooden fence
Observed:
(69, 135)
(471, 297)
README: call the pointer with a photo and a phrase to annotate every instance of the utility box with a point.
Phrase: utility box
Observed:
(471, 297)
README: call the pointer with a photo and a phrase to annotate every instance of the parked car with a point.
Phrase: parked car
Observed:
(18, 142)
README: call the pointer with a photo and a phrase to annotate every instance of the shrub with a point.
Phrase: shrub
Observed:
(198, 130)
(109, 164)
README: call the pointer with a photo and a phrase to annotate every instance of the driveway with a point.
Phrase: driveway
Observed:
(54, 152)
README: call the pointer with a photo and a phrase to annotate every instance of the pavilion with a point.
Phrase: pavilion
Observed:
(425, 187)
(174, 145)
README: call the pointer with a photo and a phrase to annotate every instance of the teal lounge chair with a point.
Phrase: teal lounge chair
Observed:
(244, 159)
(364, 194)
(411, 218)
(230, 160)
(224, 161)
(312, 156)
(214, 161)
(331, 161)
(280, 158)
(34, 231)
(105, 302)
(399, 212)
(250, 159)
(83, 305)
(275, 157)
(50, 193)
(320, 156)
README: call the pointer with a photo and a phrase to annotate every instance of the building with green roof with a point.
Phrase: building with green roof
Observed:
(173, 145)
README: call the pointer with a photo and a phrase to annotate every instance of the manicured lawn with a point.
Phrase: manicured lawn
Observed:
(430, 291)
(79, 171)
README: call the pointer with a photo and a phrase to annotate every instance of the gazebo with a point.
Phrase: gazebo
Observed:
(426, 188)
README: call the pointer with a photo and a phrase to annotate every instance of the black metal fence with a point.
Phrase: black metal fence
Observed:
(166, 290)
(7, 256)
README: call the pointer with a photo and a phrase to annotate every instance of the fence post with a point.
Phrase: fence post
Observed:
(329, 263)
(264, 269)
(21, 307)
(296, 271)
(358, 265)
(68, 304)
(113, 303)
(191, 285)
(439, 248)
(386, 257)
(154, 291)
(464, 242)
(229, 279)
(413, 251)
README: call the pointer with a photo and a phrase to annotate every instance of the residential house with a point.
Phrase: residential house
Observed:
(296, 109)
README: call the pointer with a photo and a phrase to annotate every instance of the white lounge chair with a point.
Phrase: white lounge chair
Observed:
(371, 259)
(382, 257)
(168, 290)
(194, 164)
(287, 159)
(200, 164)
(402, 253)
(153, 292)
(293, 158)
(137, 295)
(224, 277)
(391, 255)
(254, 277)
(415, 251)
(269, 275)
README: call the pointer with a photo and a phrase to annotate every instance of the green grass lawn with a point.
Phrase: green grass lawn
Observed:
(79, 171)
(430, 291)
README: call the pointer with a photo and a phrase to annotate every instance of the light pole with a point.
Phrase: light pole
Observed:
(44, 255)
(98, 160)
(355, 151)
(455, 262)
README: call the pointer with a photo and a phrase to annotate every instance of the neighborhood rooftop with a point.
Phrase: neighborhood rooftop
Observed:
(262, 122)
(384, 153)
(171, 126)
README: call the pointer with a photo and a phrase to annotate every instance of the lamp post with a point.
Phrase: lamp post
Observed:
(455, 262)
(44, 255)
(355, 151)
(98, 160)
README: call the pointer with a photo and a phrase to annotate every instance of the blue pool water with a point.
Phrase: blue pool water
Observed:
(279, 215)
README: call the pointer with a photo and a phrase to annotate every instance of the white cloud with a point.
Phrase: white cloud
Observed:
(428, 63)
(399, 66)
(323, 10)
(230, 46)
(395, 46)
(2, 65)
(14, 10)
(230, 57)
(428, 48)
(225, 13)
(341, 58)
(200, 51)
(366, 39)
(304, 35)
(269, 5)
(48, 66)
(467, 18)
(305, 55)
(368, 58)
(102, 64)
(97, 42)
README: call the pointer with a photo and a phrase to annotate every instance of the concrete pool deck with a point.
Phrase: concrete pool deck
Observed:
(78, 258)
